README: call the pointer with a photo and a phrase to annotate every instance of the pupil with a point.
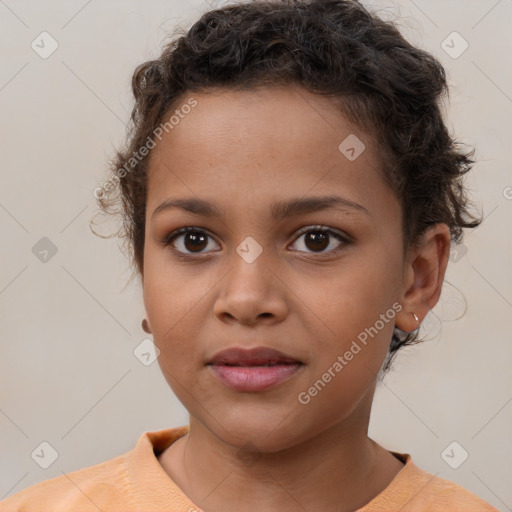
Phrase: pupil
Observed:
(196, 239)
(319, 240)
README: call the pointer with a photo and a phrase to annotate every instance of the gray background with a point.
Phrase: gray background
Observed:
(69, 326)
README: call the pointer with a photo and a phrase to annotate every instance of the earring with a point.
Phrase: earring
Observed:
(414, 331)
(145, 326)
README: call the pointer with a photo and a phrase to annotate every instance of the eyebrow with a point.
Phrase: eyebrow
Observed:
(279, 210)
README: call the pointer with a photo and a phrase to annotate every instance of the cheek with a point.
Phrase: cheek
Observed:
(167, 299)
(354, 295)
(347, 360)
(169, 291)
(177, 303)
(356, 316)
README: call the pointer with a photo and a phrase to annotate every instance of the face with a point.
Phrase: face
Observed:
(318, 283)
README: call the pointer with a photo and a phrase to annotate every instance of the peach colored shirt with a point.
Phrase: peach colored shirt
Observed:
(135, 481)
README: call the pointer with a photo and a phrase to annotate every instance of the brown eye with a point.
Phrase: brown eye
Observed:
(188, 240)
(195, 242)
(317, 240)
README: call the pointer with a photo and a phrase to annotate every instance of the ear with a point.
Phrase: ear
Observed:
(145, 325)
(424, 271)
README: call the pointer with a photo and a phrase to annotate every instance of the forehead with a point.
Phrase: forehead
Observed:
(247, 147)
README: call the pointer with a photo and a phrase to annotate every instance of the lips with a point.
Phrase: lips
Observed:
(253, 370)
(259, 356)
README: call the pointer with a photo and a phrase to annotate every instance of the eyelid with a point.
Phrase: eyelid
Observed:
(325, 229)
(169, 238)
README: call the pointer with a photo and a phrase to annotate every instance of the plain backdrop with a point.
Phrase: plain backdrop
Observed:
(69, 327)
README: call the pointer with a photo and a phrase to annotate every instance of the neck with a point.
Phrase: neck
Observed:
(339, 469)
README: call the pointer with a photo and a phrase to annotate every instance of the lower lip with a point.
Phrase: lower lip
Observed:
(254, 378)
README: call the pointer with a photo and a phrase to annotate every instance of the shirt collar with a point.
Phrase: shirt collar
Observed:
(149, 479)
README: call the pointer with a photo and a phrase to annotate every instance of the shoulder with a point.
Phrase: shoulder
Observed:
(85, 489)
(416, 490)
(449, 495)
(134, 480)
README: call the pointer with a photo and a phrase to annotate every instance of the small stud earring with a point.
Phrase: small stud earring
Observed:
(145, 326)
(416, 318)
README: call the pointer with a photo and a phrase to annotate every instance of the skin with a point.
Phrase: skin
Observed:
(243, 151)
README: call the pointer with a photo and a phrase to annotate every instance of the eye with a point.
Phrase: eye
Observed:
(318, 239)
(193, 240)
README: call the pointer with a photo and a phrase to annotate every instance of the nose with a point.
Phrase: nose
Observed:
(251, 293)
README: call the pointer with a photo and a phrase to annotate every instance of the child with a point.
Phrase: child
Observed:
(266, 129)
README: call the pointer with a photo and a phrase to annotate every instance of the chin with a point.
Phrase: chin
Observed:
(258, 431)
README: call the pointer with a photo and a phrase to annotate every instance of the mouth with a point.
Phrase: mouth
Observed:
(253, 370)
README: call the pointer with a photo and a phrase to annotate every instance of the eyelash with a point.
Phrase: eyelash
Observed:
(169, 239)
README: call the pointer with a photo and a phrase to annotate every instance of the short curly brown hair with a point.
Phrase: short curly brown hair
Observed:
(335, 48)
